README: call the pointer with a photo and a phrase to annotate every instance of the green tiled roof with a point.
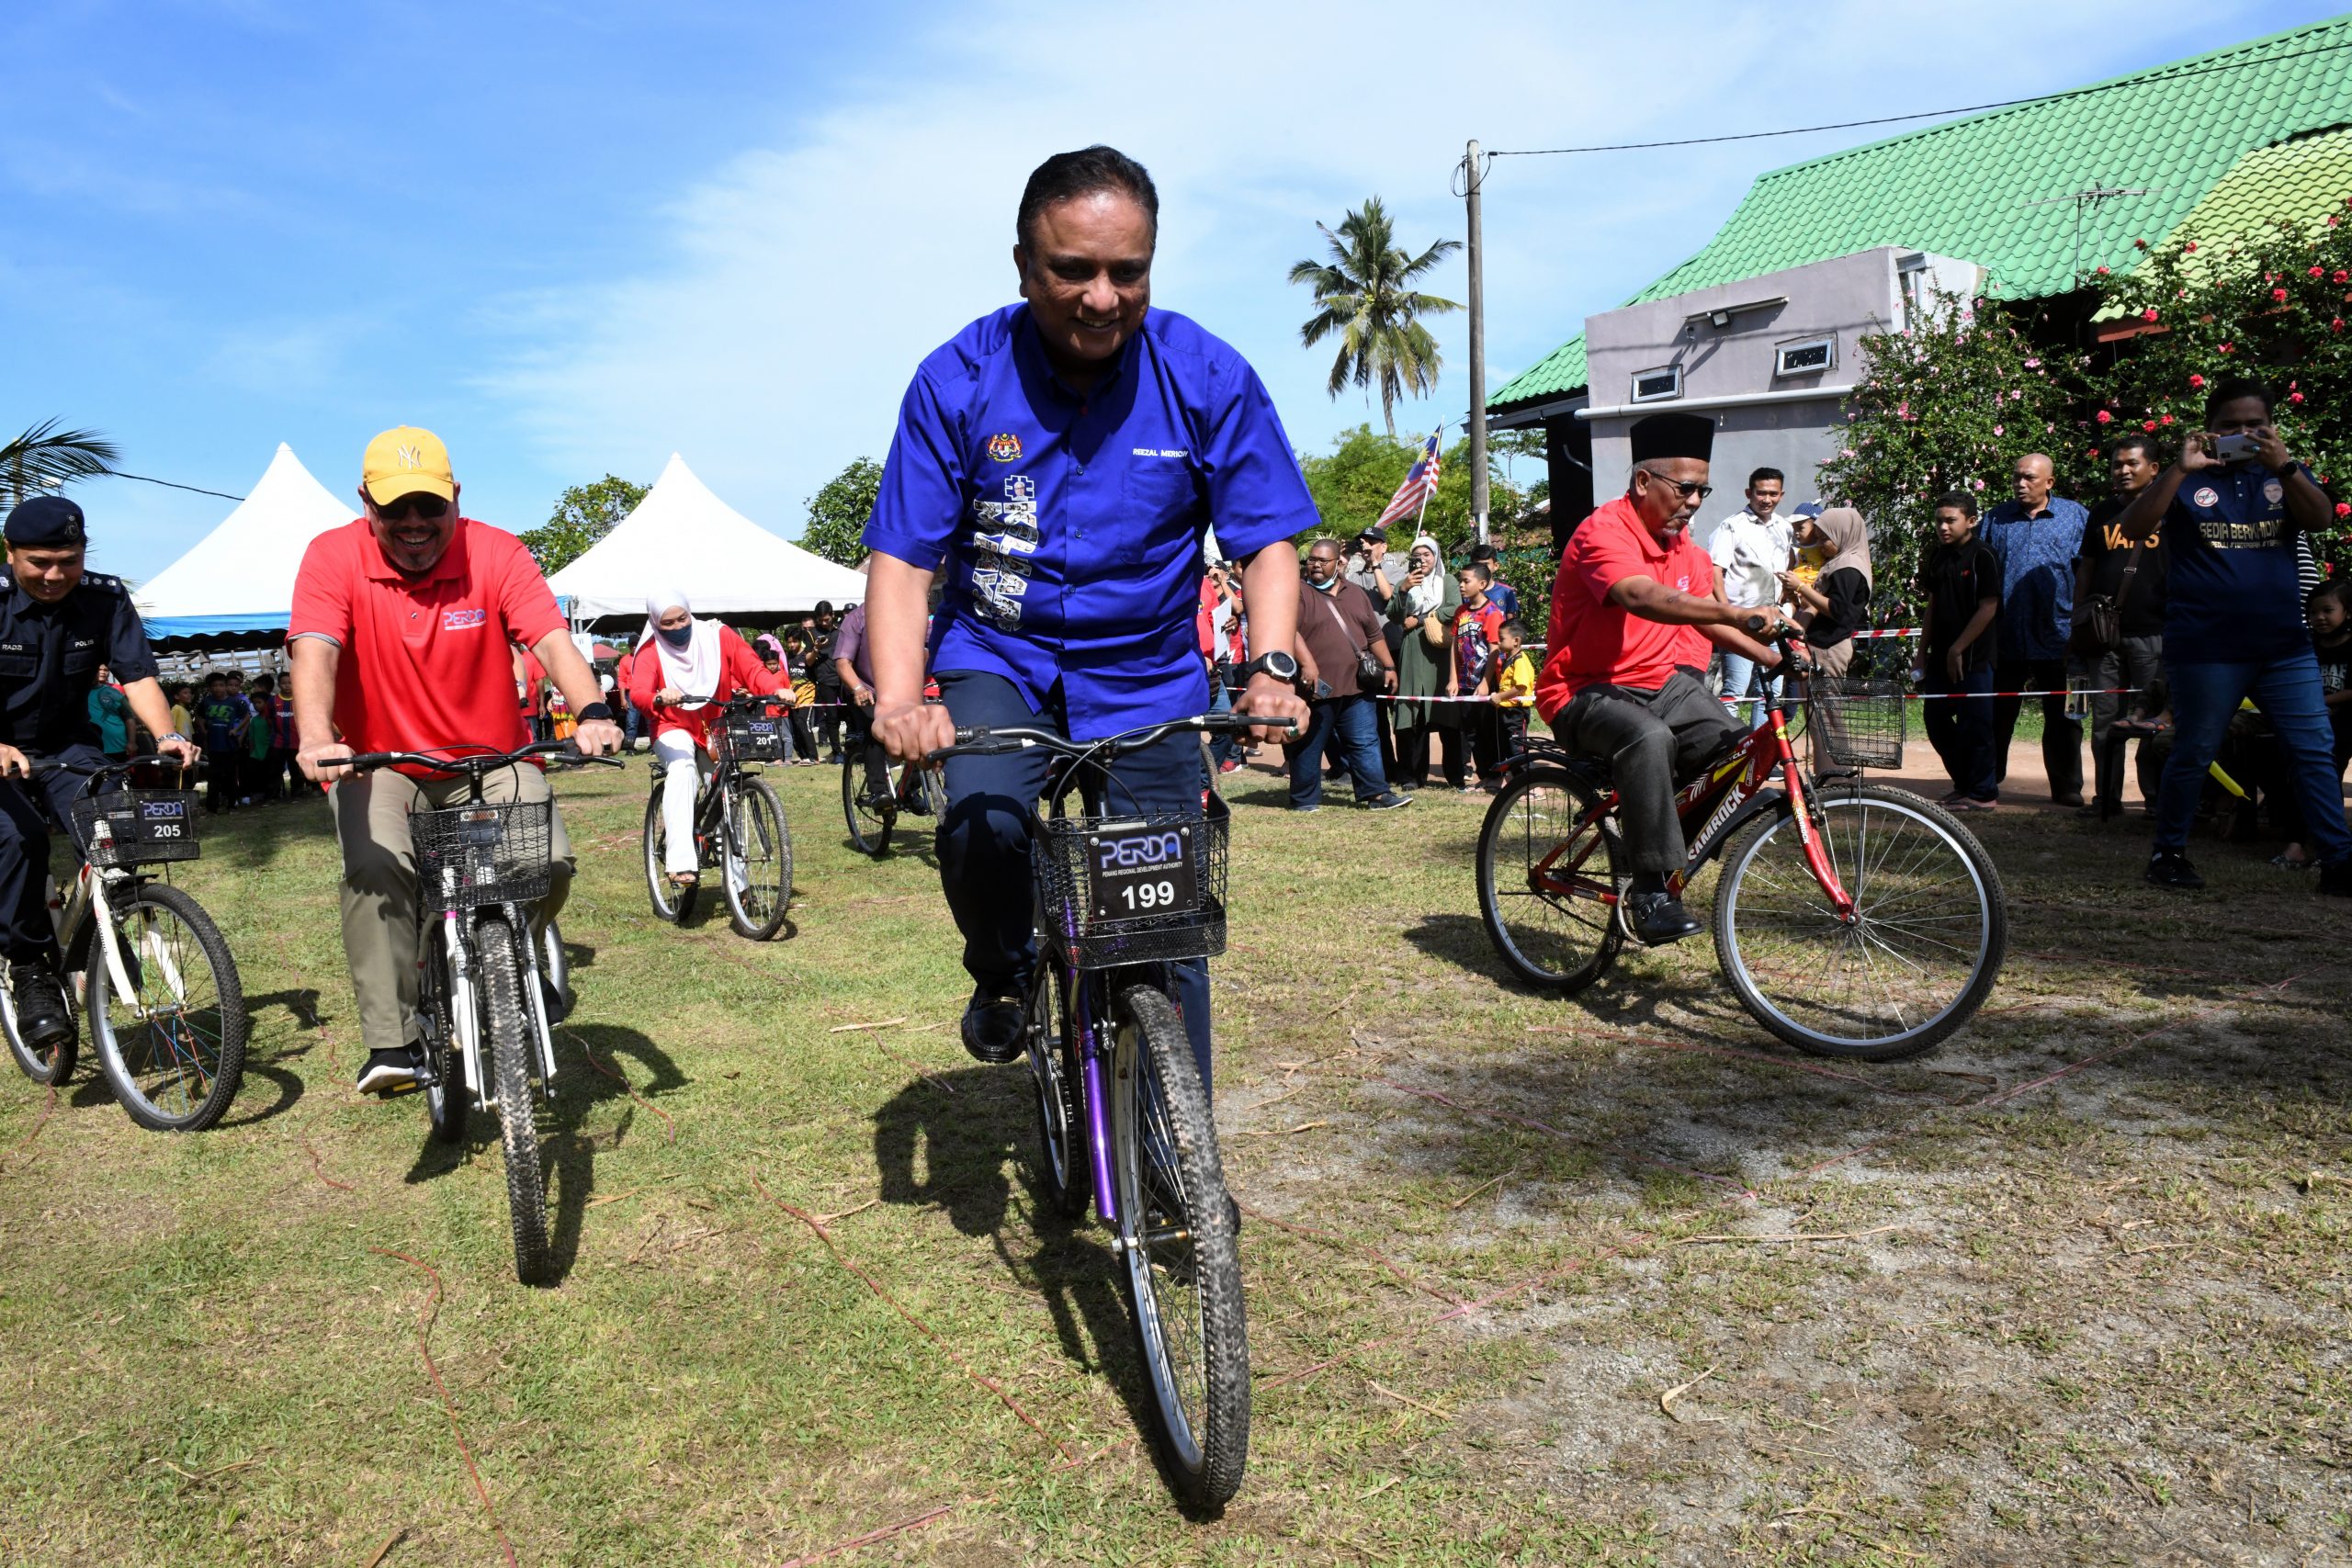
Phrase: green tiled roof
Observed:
(1968, 188)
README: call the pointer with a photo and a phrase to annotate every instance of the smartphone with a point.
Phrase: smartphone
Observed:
(2235, 448)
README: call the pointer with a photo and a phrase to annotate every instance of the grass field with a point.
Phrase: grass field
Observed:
(1612, 1280)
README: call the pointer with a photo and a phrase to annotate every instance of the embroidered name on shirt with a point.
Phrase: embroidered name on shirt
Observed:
(1162, 452)
(462, 620)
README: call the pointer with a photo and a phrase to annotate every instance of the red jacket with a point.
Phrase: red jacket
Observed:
(739, 670)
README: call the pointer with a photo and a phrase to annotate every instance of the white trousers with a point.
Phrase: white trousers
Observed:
(675, 748)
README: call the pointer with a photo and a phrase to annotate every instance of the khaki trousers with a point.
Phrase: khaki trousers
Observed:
(381, 933)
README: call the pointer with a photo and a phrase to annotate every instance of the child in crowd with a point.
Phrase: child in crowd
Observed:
(221, 720)
(1477, 625)
(1514, 687)
(1961, 583)
(2329, 612)
(261, 784)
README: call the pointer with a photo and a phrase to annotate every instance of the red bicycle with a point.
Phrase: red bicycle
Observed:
(1852, 918)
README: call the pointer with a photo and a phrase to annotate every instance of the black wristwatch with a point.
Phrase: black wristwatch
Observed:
(1278, 664)
(594, 712)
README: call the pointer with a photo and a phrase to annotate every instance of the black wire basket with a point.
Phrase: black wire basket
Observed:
(480, 852)
(137, 827)
(1856, 723)
(756, 737)
(1141, 888)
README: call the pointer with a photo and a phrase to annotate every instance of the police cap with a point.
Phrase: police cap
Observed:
(46, 522)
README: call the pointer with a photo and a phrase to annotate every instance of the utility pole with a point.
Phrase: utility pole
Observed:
(1477, 350)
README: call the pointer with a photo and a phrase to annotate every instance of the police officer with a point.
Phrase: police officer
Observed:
(58, 625)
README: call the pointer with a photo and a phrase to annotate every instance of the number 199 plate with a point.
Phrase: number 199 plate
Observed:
(1134, 871)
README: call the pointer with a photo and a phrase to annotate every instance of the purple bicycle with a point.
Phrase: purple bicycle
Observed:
(1122, 1116)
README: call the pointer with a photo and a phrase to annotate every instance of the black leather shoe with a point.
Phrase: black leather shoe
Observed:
(1660, 918)
(994, 1026)
(43, 1019)
(2170, 868)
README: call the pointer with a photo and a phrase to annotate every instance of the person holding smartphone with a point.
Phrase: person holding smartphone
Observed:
(2229, 512)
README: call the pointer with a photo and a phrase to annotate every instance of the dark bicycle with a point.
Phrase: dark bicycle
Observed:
(915, 790)
(1122, 1113)
(1851, 918)
(166, 1006)
(739, 825)
(481, 866)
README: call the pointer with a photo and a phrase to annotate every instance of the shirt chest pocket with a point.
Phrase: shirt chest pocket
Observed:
(80, 661)
(18, 662)
(1158, 504)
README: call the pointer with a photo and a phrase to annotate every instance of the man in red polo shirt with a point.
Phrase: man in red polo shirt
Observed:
(399, 638)
(1633, 611)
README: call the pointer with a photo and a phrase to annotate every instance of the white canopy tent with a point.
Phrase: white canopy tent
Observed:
(682, 536)
(239, 579)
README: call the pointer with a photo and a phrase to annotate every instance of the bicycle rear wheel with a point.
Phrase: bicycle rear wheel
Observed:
(870, 821)
(512, 1045)
(54, 1065)
(174, 1051)
(1062, 1171)
(756, 870)
(1184, 1264)
(671, 904)
(1544, 864)
(1930, 926)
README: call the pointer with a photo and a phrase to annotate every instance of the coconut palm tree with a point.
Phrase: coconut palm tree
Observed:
(45, 457)
(1363, 296)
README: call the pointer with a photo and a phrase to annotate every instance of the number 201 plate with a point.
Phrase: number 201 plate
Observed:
(1134, 872)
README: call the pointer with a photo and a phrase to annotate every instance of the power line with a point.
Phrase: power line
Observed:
(142, 479)
(2141, 80)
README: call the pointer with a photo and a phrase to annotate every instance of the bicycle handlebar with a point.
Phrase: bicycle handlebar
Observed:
(474, 765)
(978, 741)
(35, 767)
(742, 702)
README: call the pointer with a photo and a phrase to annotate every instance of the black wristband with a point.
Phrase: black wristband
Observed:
(596, 711)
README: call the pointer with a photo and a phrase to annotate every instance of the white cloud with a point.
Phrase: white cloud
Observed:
(784, 298)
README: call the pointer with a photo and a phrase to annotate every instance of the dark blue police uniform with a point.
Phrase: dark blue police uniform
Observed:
(1069, 529)
(50, 656)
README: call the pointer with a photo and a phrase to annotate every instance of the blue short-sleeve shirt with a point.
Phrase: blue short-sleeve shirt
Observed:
(1068, 526)
(2036, 555)
(2232, 595)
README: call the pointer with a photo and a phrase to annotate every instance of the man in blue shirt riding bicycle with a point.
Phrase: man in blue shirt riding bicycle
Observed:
(1059, 461)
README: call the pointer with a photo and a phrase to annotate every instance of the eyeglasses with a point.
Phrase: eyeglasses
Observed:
(431, 508)
(1688, 487)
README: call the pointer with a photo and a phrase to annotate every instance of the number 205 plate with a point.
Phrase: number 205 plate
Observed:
(1134, 872)
(162, 821)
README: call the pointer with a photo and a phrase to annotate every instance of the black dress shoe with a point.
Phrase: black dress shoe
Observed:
(1660, 918)
(43, 1019)
(994, 1026)
(2170, 868)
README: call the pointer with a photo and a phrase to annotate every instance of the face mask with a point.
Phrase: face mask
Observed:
(678, 639)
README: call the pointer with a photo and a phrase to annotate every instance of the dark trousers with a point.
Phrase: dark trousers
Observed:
(1482, 727)
(860, 721)
(28, 807)
(829, 718)
(1649, 738)
(1513, 720)
(983, 840)
(2135, 661)
(1960, 729)
(1415, 742)
(222, 770)
(1345, 727)
(2287, 690)
(2061, 737)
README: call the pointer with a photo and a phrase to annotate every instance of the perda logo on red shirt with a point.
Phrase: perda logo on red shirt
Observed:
(462, 620)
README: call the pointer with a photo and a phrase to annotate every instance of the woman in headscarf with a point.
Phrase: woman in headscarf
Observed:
(681, 659)
(1835, 603)
(1423, 606)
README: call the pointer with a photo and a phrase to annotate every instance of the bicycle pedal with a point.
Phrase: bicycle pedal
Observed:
(401, 1091)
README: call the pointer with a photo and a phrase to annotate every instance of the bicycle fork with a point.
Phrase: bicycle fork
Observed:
(1816, 856)
(1094, 1081)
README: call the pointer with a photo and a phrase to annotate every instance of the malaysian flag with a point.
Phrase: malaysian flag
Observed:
(1419, 486)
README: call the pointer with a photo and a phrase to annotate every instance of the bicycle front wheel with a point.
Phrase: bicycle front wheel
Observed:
(512, 1045)
(758, 866)
(1184, 1263)
(870, 821)
(174, 1051)
(1924, 947)
(1063, 1173)
(447, 1098)
(1546, 860)
(670, 904)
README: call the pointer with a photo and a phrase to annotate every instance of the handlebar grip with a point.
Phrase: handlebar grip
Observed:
(359, 760)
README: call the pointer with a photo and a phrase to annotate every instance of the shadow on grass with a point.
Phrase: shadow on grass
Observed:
(567, 1153)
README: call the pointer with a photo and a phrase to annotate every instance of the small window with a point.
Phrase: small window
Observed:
(1656, 386)
(1806, 357)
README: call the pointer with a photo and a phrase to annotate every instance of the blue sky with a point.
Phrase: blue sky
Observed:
(576, 235)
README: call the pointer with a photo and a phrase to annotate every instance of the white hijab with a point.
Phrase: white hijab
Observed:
(693, 669)
(1425, 599)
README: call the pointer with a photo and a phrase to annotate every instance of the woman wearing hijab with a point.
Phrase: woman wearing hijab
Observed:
(682, 660)
(1423, 606)
(1837, 604)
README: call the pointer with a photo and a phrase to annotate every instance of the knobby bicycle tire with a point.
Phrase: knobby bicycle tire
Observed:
(512, 1044)
(1559, 944)
(1924, 954)
(160, 1076)
(869, 825)
(757, 837)
(447, 1101)
(1183, 1262)
(1064, 1175)
(55, 1068)
(675, 904)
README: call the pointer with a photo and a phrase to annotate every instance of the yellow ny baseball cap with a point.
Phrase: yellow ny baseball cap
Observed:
(404, 462)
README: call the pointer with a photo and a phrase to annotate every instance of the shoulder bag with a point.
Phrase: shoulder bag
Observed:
(1371, 674)
(2099, 628)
